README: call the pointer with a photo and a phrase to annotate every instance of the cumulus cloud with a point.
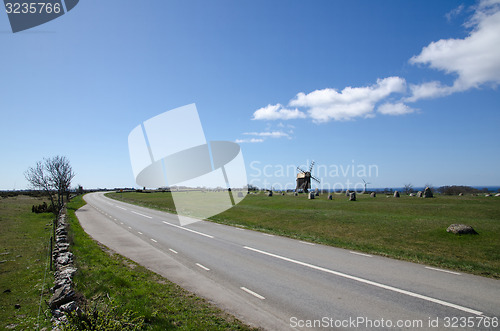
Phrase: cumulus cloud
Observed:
(428, 91)
(394, 109)
(475, 60)
(277, 112)
(327, 104)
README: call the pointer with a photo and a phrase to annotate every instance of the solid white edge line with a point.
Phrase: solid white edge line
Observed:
(442, 270)
(173, 251)
(369, 282)
(202, 266)
(153, 240)
(305, 242)
(140, 214)
(193, 231)
(267, 234)
(252, 293)
(362, 254)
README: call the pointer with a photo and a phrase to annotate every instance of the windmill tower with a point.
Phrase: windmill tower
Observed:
(304, 179)
(364, 181)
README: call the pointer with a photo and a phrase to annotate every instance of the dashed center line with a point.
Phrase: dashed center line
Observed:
(305, 242)
(203, 267)
(153, 240)
(252, 293)
(173, 251)
(129, 227)
(442, 270)
(139, 232)
(140, 214)
(186, 229)
(369, 282)
(120, 207)
(362, 254)
(267, 234)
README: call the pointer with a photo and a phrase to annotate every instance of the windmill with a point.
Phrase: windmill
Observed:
(304, 179)
(364, 181)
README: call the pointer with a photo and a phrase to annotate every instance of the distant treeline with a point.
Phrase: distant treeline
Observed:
(31, 193)
(457, 189)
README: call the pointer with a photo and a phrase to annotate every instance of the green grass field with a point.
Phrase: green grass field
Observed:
(24, 254)
(406, 228)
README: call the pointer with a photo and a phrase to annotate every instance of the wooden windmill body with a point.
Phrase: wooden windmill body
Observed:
(304, 179)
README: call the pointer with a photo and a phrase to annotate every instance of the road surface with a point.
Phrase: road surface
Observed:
(283, 284)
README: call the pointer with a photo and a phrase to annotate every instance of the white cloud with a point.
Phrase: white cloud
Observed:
(454, 12)
(327, 104)
(271, 134)
(252, 140)
(277, 112)
(394, 109)
(475, 59)
(428, 91)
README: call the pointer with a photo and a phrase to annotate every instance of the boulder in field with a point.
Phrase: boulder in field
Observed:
(373, 195)
(428, 193)
(352, 196)
(396, 194)
(419, 194)
(311, 195)
(330, 197)
(461, 229)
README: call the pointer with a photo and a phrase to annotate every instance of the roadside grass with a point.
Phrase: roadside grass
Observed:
(111, 282)
(24, 254)
(407, 228)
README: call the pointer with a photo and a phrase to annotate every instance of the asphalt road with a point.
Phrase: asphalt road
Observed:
(282, 284)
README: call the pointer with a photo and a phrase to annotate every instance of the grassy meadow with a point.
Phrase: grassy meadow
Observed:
(23, 268)
(407, 228)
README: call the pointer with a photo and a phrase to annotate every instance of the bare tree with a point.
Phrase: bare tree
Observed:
(408, 188)
(52, 175)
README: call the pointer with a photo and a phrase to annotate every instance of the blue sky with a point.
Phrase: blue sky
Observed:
(410, 87)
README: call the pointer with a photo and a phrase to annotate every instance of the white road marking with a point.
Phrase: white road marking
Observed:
(362, 254)
(442, 270)
(139, 232)
(140, 214)
(305, 242)
(129, 227)
(267, 234)
(121, 222)
(202, 266)
(252, 293)
(369, 282)
(120, 207)
(193, 231)
(153, 240)
(170, 249)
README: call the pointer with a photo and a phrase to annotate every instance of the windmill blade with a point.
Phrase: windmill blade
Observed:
(316, 179)
(311, 166)
(364, 181)
(300, 170)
